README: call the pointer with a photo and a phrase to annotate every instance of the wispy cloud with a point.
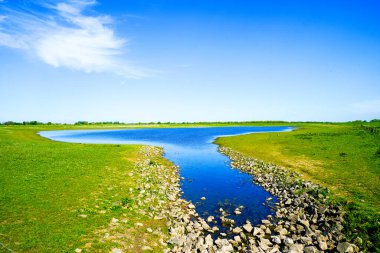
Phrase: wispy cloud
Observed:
(64, 35)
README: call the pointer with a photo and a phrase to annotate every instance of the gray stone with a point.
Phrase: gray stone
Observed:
(288, 241)
(237, 230)
(296, 248)
(310, 249)
(254, 248)
(224, 245)
(305, 223)
(256, 230)
(306, 240)
(265, 241)
(345, 247)
(209, 241)
(237, 239)
(227, 248)
(210, 218)
(248, 227)
(322, 245)
(265, 244)
(215, 229)
(278, 228)
(226, 221)
(283, 231)
(205, 226)
(276, 240)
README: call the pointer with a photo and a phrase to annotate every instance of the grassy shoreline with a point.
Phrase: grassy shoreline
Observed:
(55, 195)
(347, 156)
(342, 157)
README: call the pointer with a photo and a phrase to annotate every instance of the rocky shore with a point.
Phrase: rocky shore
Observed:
(305, 219)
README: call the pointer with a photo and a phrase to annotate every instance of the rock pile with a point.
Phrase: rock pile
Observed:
(305, 220)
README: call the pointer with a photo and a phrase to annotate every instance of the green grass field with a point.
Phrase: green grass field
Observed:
(51, 191)
(47, 186)
(345, 158)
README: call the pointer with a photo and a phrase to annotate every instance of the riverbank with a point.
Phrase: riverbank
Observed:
(341, 157)
(67, 197)
(306, 219)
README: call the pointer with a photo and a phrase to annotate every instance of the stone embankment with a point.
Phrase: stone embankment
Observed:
(305, 219)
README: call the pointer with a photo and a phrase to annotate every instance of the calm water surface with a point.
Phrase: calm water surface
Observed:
(207, 172)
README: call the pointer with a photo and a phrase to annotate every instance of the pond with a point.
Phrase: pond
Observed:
(207, 172)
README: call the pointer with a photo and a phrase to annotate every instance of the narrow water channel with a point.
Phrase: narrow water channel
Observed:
(207, 173)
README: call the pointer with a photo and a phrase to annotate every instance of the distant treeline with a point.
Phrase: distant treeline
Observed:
(35, 122)
(174, 123)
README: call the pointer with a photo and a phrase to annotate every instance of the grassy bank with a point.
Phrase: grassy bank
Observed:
(56, 197)
(343, 157)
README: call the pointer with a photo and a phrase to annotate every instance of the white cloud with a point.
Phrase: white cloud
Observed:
(11, 41)
(367, 107)
(63, 36)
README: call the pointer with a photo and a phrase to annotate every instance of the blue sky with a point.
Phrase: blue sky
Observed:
(199, 60)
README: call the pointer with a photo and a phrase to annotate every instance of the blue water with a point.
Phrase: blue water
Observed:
(207, 172)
